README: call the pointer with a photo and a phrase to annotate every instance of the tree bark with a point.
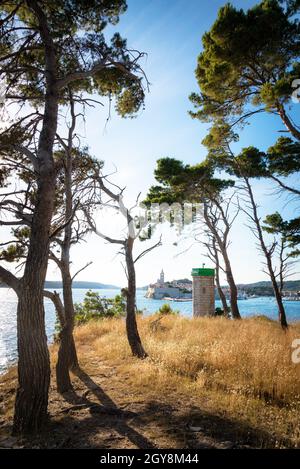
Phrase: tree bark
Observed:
(34, 365)
(214, 254)
(276, 289)
(131, 325)
(232, 287)
(228, 270)
(287, 122)
(67, 355)
(59, 307)
(222, 296)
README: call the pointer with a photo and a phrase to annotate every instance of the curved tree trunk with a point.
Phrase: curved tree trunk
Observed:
(33, 365)
(222, 245)
(67, 355)
(287, 122)
(222, 296)
(232, 288)
(215, 257)
(70, 315)
(131, 325)
(268, 256)
(278, 296)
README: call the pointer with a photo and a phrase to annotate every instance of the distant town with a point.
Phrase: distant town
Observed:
(181, 290)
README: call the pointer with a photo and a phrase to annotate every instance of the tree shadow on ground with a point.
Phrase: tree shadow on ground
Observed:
(156, 424)
(146, 423)
(105, 413)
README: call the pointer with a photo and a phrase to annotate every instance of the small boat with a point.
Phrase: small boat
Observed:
(177, 299)
(183, 299)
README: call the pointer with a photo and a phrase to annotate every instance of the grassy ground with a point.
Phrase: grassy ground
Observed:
(208, 383)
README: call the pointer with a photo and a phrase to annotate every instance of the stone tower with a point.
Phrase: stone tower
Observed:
(162, 277)
(203, 292)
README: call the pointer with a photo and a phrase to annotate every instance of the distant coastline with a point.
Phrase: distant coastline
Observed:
(262, 288)
(79, 284)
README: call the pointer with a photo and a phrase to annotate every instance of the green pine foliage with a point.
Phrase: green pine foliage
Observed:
(167, 310)
(248, 63)
(94, 306)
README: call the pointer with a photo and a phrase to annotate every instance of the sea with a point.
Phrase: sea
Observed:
(8, 322)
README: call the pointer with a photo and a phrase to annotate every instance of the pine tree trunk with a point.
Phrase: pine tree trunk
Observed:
(34, 365)
(131, 324)
(233, 293)
(67, 355)
(222, 296)
(287, 122)
(229, 275)
(278, 296)
(231, 282)
(268, 256)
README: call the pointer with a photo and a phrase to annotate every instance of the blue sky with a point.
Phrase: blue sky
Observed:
(170, 32)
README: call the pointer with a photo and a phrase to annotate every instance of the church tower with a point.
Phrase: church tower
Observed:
(162, 277)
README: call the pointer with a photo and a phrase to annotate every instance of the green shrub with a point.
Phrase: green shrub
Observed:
(166, 310)
(96, 307)
(220, 312)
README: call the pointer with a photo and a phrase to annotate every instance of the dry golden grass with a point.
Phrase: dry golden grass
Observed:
(252, 356)
(234, 379)
(239, 368)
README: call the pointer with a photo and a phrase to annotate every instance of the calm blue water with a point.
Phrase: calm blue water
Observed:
(8, 350)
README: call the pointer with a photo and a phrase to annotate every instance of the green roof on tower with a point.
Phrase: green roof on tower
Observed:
(201, 272)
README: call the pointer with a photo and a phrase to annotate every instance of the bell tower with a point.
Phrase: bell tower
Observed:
(162, 277)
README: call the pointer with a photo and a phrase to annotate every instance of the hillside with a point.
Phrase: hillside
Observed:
(79, 284)
(264, 288)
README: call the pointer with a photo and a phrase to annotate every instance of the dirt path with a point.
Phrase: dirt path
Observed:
(106, 411)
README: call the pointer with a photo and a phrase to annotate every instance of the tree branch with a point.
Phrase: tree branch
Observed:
(82, 268)
(101, 235)
(9, 279)
(81, 75)
(59, 228)
(159, 243)
(59, 307)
